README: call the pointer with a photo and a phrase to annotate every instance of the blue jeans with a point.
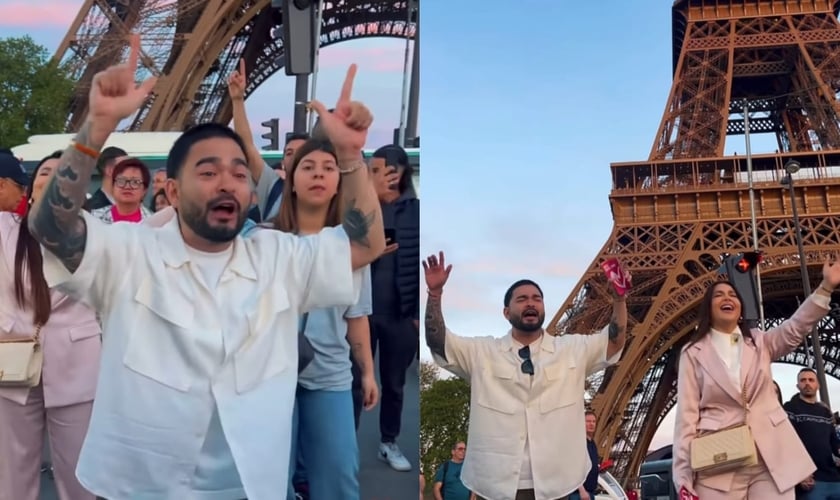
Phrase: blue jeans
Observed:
(824, 490)
(324, 438)
(576, 496)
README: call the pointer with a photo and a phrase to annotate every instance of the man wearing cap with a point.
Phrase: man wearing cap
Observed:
(13, 182)
(103, 196)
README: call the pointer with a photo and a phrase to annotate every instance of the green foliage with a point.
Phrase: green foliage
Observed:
(34, 92)
(444, 418)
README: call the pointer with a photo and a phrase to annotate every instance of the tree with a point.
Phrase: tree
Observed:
(444, 417)
(34, 92)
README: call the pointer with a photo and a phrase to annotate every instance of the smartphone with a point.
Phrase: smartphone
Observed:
(390, 235)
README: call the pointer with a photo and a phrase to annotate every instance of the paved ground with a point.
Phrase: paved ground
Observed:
(378, 480)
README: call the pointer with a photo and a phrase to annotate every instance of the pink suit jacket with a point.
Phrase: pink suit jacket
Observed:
(707, 400)
(71, 339)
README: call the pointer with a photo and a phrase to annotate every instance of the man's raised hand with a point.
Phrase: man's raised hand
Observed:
(237, 82)
(114, 95)
(437, 272)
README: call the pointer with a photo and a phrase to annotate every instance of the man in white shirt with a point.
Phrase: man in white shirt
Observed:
(199, 359)
(527, 433)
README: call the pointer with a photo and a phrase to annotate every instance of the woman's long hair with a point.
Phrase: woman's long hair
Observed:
(704, 314)
(28, 260)
(286, 219)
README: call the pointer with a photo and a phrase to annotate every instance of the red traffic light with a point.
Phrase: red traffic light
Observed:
(749, 261)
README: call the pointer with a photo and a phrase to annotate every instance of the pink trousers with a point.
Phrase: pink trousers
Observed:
(22, 443)
(750, 483)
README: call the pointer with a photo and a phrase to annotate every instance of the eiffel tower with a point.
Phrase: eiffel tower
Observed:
(194, 45)
(676, 214)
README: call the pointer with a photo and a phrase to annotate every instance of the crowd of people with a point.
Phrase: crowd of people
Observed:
(213, 339)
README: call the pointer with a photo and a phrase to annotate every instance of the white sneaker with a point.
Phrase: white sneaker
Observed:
(390, 452)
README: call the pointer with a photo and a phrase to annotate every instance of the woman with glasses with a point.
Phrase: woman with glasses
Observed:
(131, 182)
(59, 407)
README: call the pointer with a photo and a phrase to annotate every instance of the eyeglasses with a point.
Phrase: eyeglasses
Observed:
(122, 182)
(527, 366)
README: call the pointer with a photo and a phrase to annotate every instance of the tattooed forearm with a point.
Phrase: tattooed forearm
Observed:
(618, 324)
(55, 220)
(362, 219)
(357, 224)
(435, 326)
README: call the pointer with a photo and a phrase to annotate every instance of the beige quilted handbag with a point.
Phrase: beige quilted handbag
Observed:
(725, 449)
(21, 361)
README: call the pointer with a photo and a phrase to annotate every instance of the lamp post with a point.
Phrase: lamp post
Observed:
(791, 167)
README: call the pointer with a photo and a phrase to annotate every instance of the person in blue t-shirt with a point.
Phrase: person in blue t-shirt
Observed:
(448, 485)
(324, 449)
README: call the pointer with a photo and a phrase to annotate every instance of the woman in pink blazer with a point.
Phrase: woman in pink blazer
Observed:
(70, 338)
(721, 358)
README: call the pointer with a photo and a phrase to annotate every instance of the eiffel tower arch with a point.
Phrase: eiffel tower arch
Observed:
(677, 213)
(193, 45)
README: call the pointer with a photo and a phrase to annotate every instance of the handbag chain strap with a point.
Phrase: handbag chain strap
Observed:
(37, 337)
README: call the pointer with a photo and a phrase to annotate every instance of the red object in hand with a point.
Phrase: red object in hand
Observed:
(616, 275)
(687, 495)
(606, 464)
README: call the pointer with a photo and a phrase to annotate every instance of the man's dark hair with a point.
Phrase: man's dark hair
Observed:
(509, 293)
(108, 155)
(806, 369)
(181, 149)
(590, 412)
(296, 136)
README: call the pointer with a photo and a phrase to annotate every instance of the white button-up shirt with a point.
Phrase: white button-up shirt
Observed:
(175, 351)
(509, 408)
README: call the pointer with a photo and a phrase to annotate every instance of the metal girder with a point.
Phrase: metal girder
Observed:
(782, 53)
(193, 45)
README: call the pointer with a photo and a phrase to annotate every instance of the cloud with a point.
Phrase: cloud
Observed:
(20, 14)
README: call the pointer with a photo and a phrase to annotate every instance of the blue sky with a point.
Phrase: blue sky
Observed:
(525, 105)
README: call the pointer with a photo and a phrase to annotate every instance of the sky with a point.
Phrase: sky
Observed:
(523, 106)
(378, 83)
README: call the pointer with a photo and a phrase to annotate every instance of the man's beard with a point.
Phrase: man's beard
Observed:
(196, 219)
(517, 323)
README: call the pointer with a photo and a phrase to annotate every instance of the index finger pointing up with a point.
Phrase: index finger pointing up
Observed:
(134, 52)
(347, 88)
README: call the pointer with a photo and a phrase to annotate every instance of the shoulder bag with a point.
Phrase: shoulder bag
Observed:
(21, 361)
(726, 449)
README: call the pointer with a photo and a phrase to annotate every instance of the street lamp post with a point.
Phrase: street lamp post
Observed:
(791, 167)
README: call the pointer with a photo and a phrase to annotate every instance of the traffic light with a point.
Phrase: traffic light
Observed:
(299, 36)
(740, 269)
(273, 134)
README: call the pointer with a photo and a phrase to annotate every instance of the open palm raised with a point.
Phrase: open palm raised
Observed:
(437, 272)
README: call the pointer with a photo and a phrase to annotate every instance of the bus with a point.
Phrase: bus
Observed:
(152, 148)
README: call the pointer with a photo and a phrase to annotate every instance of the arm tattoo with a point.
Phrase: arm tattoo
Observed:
(357, 225)
(613, 330)
(56, 221)
(435, 327)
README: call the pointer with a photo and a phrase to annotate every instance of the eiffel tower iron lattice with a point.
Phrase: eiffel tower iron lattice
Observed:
(676, 214)
(193, 45)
